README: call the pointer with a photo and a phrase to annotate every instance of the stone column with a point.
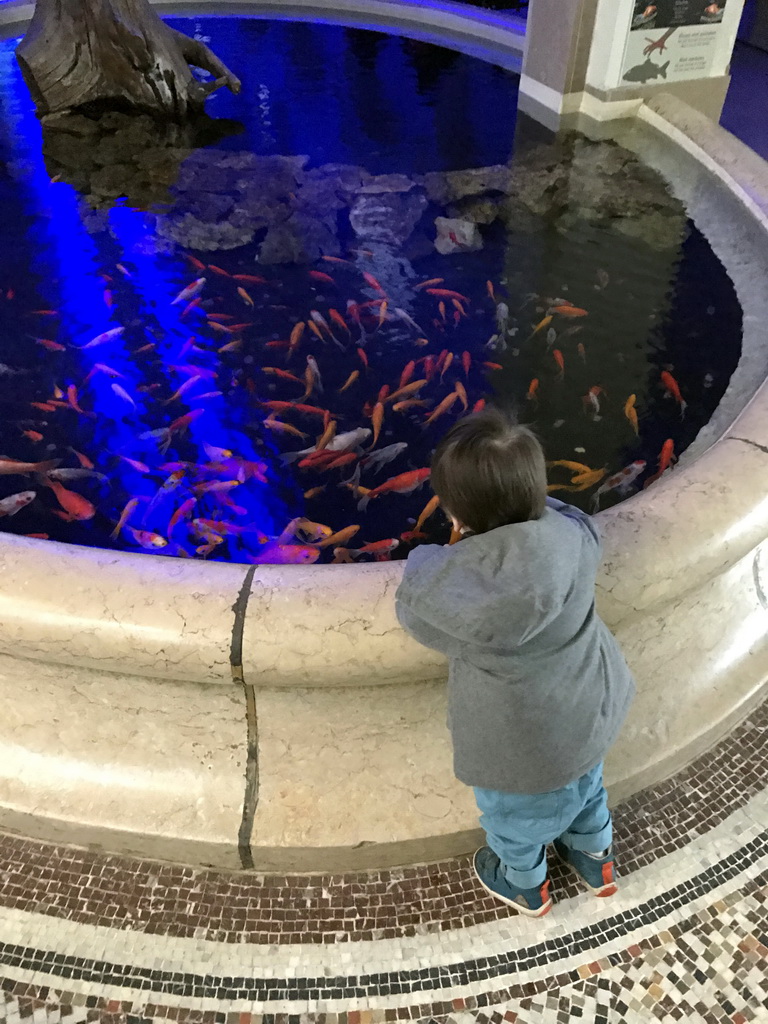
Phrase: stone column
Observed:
(604, 57)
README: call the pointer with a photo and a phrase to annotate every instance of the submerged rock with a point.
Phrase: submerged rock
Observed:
(456, 235)
(386, 217)
(299, 239)
(447, 186)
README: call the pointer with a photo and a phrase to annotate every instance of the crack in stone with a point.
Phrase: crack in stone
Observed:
(746, 440)
(761, 595)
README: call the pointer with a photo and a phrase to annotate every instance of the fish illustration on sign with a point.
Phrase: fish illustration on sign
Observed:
(646, 72)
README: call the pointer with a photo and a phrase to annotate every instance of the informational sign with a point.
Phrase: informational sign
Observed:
(672, 40)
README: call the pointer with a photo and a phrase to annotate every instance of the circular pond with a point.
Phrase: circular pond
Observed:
(243, 344)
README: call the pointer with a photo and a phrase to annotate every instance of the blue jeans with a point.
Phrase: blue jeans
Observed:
(518, 826)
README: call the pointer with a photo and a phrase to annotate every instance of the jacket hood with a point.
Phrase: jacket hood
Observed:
(497, 589)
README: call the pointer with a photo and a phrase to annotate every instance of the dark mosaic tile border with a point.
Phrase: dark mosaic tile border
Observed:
(159, 898)
(603, 988)
(409, 981)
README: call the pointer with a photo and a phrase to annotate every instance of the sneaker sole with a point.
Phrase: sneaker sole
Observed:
(604, 890)
(544, 909)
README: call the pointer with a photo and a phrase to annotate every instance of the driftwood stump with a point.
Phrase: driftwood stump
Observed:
(79, 52)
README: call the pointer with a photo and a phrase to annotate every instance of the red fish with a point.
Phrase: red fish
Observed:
(558, 357)
(479, 405)
(52, 346)
(181, 424)
(466, 362)
(446, 293)
(249, 278)
(318, 275)
(666, 455)
(371, 280)
(569, 311)
(673, 389)
(404, 483)
(74, 504)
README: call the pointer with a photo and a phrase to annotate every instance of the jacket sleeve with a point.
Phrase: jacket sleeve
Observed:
(425, 633)
(571, 512)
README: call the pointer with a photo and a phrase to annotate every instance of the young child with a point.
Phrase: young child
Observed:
(538, 688)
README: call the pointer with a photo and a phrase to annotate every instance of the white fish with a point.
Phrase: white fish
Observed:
(502, 317)
(102, 339)
(9, 371)
(189, 293)
(75, 474)
(551, 337)
(401, 313)
(620, 481)
(11, 505)
(312, 364)
(376, 460)
(122, 393)
(340, 443)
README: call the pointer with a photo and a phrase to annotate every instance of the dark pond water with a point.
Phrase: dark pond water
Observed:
(572, 288)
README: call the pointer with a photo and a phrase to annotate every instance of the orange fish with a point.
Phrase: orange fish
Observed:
(74, 504)
(274, 371)
(407, 374)
(326, 437)
(349, 381)
(446, 293)
(183, 422)
(52, 346)
(446, 363)
(371, 280)
(284, 428)
(84, 461)
(489, 289)
(444, 406)
(569, 311)
(429, 509)
(318, 275)
(32, 435)
(410, 403)
(338, 319)
(44, 406)
(404, 483)
(377, 418)
(285, 554)
(147, 539)
(182, 512)
(428, 284)
(557, 355)
(408, 389)
(249, 278)
(666, 455)
(493, 366)
(533, 390)
(219, 270)
(673, 389)
(461, 392)
(124, 517)
(340, 537)
(540, 326)
(314, 492)
(245, 296)
(631, 413)
(296, 335)
(582, 352)
(363, 357)
(466, 362)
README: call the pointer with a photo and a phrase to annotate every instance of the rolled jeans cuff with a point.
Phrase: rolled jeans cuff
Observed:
(590, 842)
(531, 878)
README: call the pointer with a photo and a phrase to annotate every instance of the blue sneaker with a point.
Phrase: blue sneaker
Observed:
(596, 873)
(531, 902)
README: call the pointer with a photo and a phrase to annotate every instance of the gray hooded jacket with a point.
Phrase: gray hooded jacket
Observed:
(538, 688)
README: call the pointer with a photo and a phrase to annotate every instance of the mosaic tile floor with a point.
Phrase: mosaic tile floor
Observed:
(89, 937)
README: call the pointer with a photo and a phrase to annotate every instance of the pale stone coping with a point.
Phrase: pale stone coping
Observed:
(490, 35)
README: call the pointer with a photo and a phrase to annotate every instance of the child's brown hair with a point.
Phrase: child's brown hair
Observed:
(489, 471)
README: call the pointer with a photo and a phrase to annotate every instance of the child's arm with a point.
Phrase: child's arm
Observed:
(576, 514)
(425, 633)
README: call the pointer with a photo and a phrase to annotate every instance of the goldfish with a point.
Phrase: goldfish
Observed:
(74, 504)
(9, 467)
(620, 481)
(379, 548)
(371, 280)
(404, 483)
(326, 437)
(318, 380)
(140, 467)
(283, 407)
(466, 362)
(314, 492)
(493, 366)
(84, 461)
(380, 458)
(340, 443)
(341, 537)
(232, 346)
(410, 403)
(124, 516)
(557, 355)
(585, 480)
(479, 405)
(44, 406)
(339, 320)
(363, 357)
(445, 293)
(318, 275)
(446, 363)
(631, 413)
(274, 371)
(575, 467)
(147, 539)
(569, 311)
(250, 278)
(591, 401)
(103, 368)
(32, 435)
(285, 554)
(349, 381)
(189, 293)
(462, 393)
(428, 284)
(409, 389)
(181, 512)
(123, 270)
(169, 485)
(407, 374)
(15, 502)
(441, 310)
(180, 425)
(533, 390)
(245, 297)
(52, 346)
(444, 406)
(103, 339)
(673, 389)
(377, 418)
(284, 428)
(219, 270)
(217, 453)
(296, 335)
(540, 326)
(195, 263)
(666, 456)
(215, 485)
(429, 509)
(582, 352)
(305, 531)
(341, 460)
(491, 292)
(122, 393)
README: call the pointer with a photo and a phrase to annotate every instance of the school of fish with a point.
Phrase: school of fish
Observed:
(325, 407)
